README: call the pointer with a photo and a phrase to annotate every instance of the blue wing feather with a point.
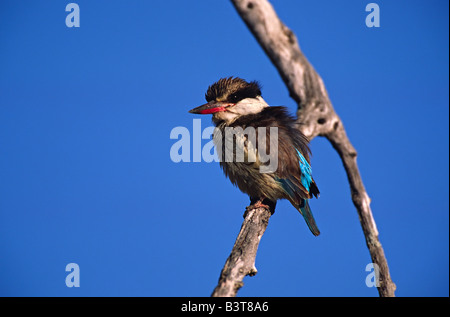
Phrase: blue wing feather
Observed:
(292, 191)
(306, 170)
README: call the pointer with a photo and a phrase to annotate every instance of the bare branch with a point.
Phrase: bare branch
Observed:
(315, 112)
(241, 261)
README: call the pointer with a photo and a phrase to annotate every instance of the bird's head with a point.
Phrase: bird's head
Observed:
(230, 98)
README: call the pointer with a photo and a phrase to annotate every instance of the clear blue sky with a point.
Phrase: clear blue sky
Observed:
(85, 168)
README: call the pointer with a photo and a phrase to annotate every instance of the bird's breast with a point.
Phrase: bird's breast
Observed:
(239, 159)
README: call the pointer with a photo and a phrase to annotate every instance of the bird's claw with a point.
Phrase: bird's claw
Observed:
(258, 204)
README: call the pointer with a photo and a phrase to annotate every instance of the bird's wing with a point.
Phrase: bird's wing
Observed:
(299, 187)
(306, 176)
(295, 175)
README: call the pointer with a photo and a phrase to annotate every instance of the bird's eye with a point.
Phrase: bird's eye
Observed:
(234, 98)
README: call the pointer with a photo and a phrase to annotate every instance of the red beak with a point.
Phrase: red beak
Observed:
(211, 107)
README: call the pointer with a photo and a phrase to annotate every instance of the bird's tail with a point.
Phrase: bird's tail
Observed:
(309, 218)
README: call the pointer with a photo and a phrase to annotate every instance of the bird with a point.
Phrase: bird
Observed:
(236, 104)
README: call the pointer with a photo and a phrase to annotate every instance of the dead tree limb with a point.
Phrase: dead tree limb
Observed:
(318, 118)
(241, 261)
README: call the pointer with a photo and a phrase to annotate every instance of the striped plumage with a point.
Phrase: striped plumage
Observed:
(236, 103)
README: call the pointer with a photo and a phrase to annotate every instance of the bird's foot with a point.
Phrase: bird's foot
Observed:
(258, 204)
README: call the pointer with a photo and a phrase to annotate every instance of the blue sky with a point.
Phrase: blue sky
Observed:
(85, 168)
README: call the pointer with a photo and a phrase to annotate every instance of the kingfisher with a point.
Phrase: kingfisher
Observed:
(237, 105)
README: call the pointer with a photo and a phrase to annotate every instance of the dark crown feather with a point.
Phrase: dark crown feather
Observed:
(232, 89)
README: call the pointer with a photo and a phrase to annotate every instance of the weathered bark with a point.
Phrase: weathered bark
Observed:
(316, 115)
(241, 261)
